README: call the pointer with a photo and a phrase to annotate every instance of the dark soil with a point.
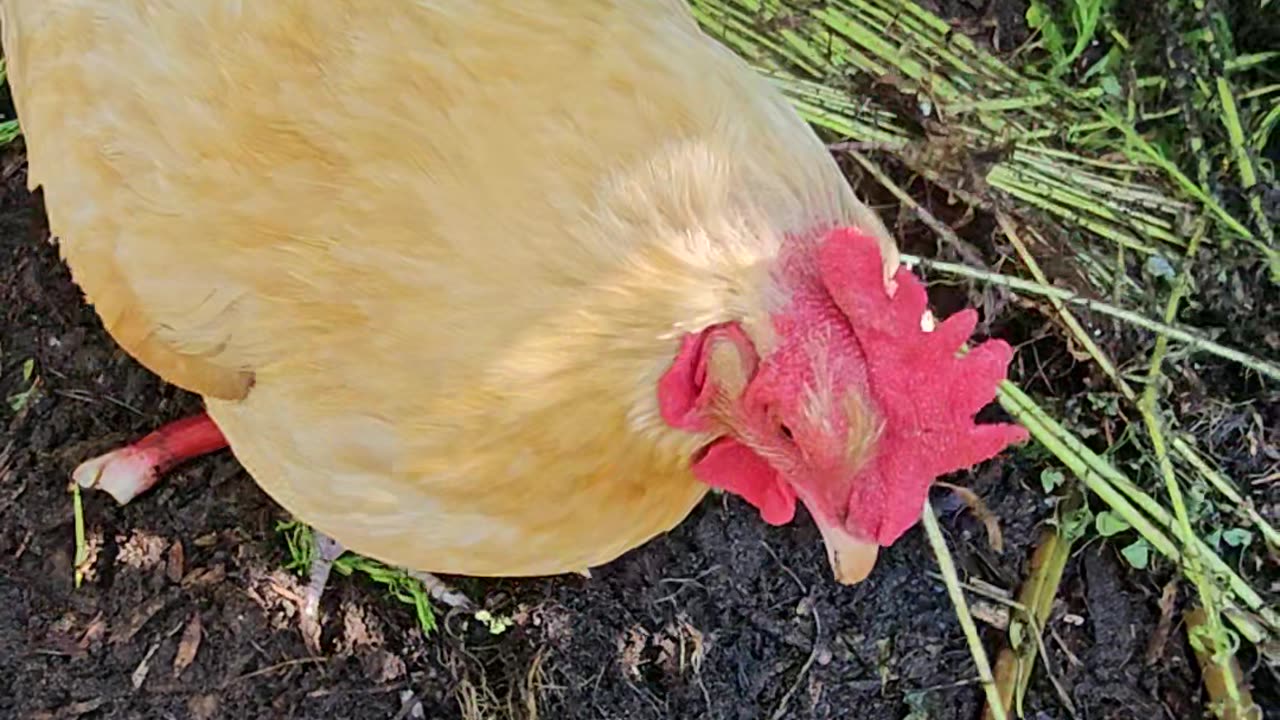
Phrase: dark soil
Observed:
(723, 618)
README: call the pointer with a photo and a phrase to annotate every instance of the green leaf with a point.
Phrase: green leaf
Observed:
(19, 401)
(1237, 537)
(1109, 523)
(1160, 267)
(1051, 479)
(9, 130)
(300, 541)
(1040, 17)
(1138, 554)
(497, 624)
(1111, 86)
(1112, 59)
(1084, 20)
(1076, 522)
(1037, 14)
(1017, 633)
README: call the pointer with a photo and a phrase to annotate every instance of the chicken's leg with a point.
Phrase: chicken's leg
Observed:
(327, 551)
(130, 471)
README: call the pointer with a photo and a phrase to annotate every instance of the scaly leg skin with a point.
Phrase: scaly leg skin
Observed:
(132, 470)
(441, 592)
(327, 551)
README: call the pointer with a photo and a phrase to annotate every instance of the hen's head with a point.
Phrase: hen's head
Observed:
(850, 405)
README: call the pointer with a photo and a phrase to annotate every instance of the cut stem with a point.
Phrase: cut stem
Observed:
(952, 580)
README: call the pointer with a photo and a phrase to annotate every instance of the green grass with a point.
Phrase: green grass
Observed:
(9, 130)
(1119, 162)
(300, 544)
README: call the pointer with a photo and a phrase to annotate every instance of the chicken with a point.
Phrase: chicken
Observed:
(493, 288)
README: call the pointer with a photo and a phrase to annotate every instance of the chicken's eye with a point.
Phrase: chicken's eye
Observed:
(785, 432)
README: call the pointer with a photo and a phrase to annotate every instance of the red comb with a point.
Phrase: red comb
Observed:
(927, 397)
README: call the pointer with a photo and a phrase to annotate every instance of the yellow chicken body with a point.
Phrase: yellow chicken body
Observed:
(426, 261)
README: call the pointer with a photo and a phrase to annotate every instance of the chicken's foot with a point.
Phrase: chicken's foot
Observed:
(327, 551)
(441, 592)
(130, 471)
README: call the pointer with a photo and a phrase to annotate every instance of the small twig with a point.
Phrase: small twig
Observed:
(983, 592)
(952, 580)
(407, 706)
(1063, 696)
(943, 230)
(803, 588)
(273, 668)
(1184, 449)
(781, 710)
(1064, 648)
(82, 546)
(1215, 633)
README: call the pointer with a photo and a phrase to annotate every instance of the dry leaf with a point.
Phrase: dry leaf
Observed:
(140, 618)
(139, 674)
(631, 646)
(990, 589)
(189, 645)
(77, 709)
(94, 633)
(996, 616)
(358, 629)
(1155, 647)
(141, 550)
(92, 546)
(980, 511)
(203, 707)
(204, 576)
(1219, 673)
(174, 567)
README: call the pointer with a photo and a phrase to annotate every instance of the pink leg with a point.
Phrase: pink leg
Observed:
(132, 470)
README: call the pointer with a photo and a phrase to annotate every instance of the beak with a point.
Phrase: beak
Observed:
(851, 559)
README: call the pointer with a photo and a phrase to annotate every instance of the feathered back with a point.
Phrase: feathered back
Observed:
(422, 232)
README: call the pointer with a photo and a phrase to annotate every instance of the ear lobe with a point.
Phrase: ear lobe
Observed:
(706, 362)
(732, 466)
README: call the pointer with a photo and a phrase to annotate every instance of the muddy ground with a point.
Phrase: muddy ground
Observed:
(723, 618)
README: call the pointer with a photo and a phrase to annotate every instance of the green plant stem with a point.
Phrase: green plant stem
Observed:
(1192, 567)
(952, 581)
(965, 250)
(1225, 486)
(82, 544)
(1244, 163)
(1183, 448)
(1263, 367)
(1117, 491)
